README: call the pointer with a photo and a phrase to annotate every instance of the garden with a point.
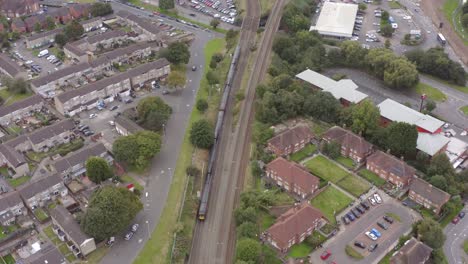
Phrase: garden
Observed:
(330, 202)
(372, 177)
(307, 151)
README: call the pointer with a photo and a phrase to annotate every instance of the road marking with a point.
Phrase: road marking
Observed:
(140, 240)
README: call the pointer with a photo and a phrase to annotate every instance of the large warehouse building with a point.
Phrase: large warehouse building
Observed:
(336, 20)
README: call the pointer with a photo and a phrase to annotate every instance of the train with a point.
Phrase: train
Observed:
(203, 207)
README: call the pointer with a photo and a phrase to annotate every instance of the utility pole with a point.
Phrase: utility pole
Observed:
(423, 97)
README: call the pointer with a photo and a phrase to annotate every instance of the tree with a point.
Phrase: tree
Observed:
(247, 230)
(401, 138)
(440, 165)
(202, 105)
(98, 170)
(50, 23)
(212, 78)
(386, 30)
(464, 20)
(176, 79)
(430, 232)
(153, 112)
(439, 181)
(214, 23)
(201, 134)
(365, 117)
(101, 9)
(323, 106)
(166, 4)
(465, 8)
(401, 73)
(73, 30)
(353, 54)
(136, 150)
(37, 27)
(377, 61)
(61, 39)
(110, 211)
(248, 250)
(362, 6)
(387, 44)
(178, 53)
(385, 15)
(15, 86)
(430, 105)
(332, 149)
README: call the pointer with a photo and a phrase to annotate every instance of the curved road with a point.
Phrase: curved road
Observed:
(456, 235)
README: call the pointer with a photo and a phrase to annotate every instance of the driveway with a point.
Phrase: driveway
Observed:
(456, 235)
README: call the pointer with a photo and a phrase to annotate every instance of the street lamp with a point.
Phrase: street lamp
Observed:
(147, 225)
(423, 97)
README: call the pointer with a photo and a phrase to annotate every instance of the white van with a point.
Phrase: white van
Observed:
(43, 53)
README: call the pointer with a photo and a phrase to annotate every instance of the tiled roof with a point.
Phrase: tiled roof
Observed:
(348, 139)
(431, 193)
(47, 256)
(79, 157)
(412, 252)
(67, 71)
(127, 124)
(50, 33)
(9, 65)
(293, 173)
(391, 164)
(33, 100)
(291, 137)
(11, 155)
(104, 36)
(9, 200)
(47, 132)
(69, 224)
(33, 188)
(143, 23)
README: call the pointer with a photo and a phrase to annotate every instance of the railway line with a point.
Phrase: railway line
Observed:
(214, 238)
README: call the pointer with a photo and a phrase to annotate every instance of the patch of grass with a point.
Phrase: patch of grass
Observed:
(465, 246)
(63, 249)
(306, 152)
(129, 179)
(8, 230)
(4, 171)
(354, 185)
(8, 259)
(327, 228)
(158, 246)
(318, 128)
(350, 251)
(266, 220)
(9, 98)
(394, 216)
(41, 214)
(330, 202)
(300, 250)
(70, 257)
(463, 89)
(347, 162)
(386, 259)
(431, 92)
(18, 181)
(51, 235)
(454, 18)
(394, 4)
(464, 109)
(326, 169)
(14, 129)
(281, 197)
(270, 256)
(372, 177)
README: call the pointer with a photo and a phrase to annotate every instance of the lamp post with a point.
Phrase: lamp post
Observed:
(147, 225)
(423, 97)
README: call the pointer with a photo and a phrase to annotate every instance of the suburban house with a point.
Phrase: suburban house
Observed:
(32, 21)
(123, 55)
(75, 53)
(290, 141)
(353, 146)
(141, 25)
(412, 252)
(44, 138)
(105, 40)
(91, 24)
(39, 193)
(430, 140)
(14, 161)
(20, 109)
(60, 15)
(427, 195)
(292, 177)
(18, 25)
(11, 206)
(18, 8)
(65, 221)
(73, 164)
(343, 90)
(390, 168)
(42, 39)
(294, 226)
(125, 126)
(49, 255)
(79, 10)
(10, 68)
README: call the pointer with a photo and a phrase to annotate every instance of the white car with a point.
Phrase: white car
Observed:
(135, 227)
(371, 200)
(91, 116)
(128, 236)
(463, 133)
(377, 198)
(371, 236)
(446, 125)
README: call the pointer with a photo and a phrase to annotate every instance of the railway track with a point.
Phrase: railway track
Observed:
(214, 239)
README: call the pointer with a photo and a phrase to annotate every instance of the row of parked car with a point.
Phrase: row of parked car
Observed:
(224, 13)
(361, 208)
(374, 234)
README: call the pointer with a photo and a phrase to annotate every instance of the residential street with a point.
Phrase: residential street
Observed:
(456, 235)
(160, 176)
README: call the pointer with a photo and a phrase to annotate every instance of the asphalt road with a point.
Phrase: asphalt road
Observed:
(161, 172)
(456, 235)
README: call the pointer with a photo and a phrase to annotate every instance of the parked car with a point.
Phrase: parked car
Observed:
(135, 227)
(360, 209)
(128, 236)
(326, 254)
(356, 213)
(91, 116)
(371, 236)
(110, 241)
(382, 225)
(376, 232)
(388, 219)
(456, 220)
(83, 128)
(372, 201)
(359, 244)
(461, 214)
(165, 92)
(377, 198)
(373, 247)
(128, 100)
(114, 107)
(365, 204)
(345, 220)
(350, 216)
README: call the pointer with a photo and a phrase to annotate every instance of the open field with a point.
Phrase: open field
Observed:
(330, 202)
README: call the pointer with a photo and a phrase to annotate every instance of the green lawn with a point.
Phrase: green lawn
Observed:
(449, 8)
(394, 4)
(41, 214)
(347, 162)
(300, 250)
(326, 169)
(463, 89)
(9, 229)
(8, 259)
(51, 235)
(354, 185)
(266, 220)
(157, 249)
(465, 246)
(18, 181)
(281, 197)
(10, 98)
(4, 171)
(372, 177)
(306, 152)
(431, 92)
(128, 179)
(318, 128)
(350, 251)
(330, 202)
(464, 109)
(14, 129)
(394, 216)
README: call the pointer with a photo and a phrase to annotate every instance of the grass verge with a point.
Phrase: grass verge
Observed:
(431, 92)
(464, 109)
(129, 179)
(331, 201)
(372, 177)
(454, 17)
(306, 152)
(326, 169)
(350, 251)
(300, 250)
(394, 216)
(465, 246)
(157, 248)
(463, 89)
(18, 181)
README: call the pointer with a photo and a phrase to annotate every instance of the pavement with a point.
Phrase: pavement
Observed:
(161, 171)
(456, 235)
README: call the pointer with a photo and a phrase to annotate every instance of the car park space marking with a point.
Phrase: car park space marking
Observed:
(385, 234)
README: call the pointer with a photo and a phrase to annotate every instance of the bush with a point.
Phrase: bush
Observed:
(202, 134)
(192, 171)
(202, 105)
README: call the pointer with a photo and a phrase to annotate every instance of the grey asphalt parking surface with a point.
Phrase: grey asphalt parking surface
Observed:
(456, 234)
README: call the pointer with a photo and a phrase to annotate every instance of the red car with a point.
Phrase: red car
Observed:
(326, 254)
(455, 220)
(155, 13)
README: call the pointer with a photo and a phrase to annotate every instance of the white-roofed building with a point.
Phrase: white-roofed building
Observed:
(432, 144)
(343, 90)
(336, 20)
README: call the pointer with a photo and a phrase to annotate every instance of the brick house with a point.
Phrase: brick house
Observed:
(11, 206)
(390, 168)
(33, 20)
(37, 194)
(43, 38)
(427, 195)
(18, 8)
(294, 226)
(20, 109)
(290, 141)
(61, 15)
(412, 252)
(292, 177)
(18, 25)
(352, 145)
(79, 10)
(14, 161)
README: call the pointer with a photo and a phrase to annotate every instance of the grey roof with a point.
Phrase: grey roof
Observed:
(69, 225)
(412, 252)
(33, 100)
(36, 187)
(50, 33)
(111, 55)
(431, 193)
(104, 36)
(74, 49)
(92, 20)
(16, 141)
(9, 200)
(47, 256)
(47, 132)
(143, 23)
(79, 157)
(12, 156)
(67, 71)
(127, 124)
(10, 66)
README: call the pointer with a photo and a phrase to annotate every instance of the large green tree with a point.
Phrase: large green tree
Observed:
(378, 60)
(323, 106)
(73, 30)
(137, 150)
(353, 54)
(365, 117)
(101, 9)
(98, 170)
(176, 79)
(401, 138)
(166, 4)
(202, 134)
(440, 165)
(153, 112)
(401, 73)
(61, 39)
(110, 211)
(248, 250)
(177, 53)
(248, 230)
(430, 232)
(50, 23)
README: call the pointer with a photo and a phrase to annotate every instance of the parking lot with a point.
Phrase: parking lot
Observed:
(223, 10)
(356, 231)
